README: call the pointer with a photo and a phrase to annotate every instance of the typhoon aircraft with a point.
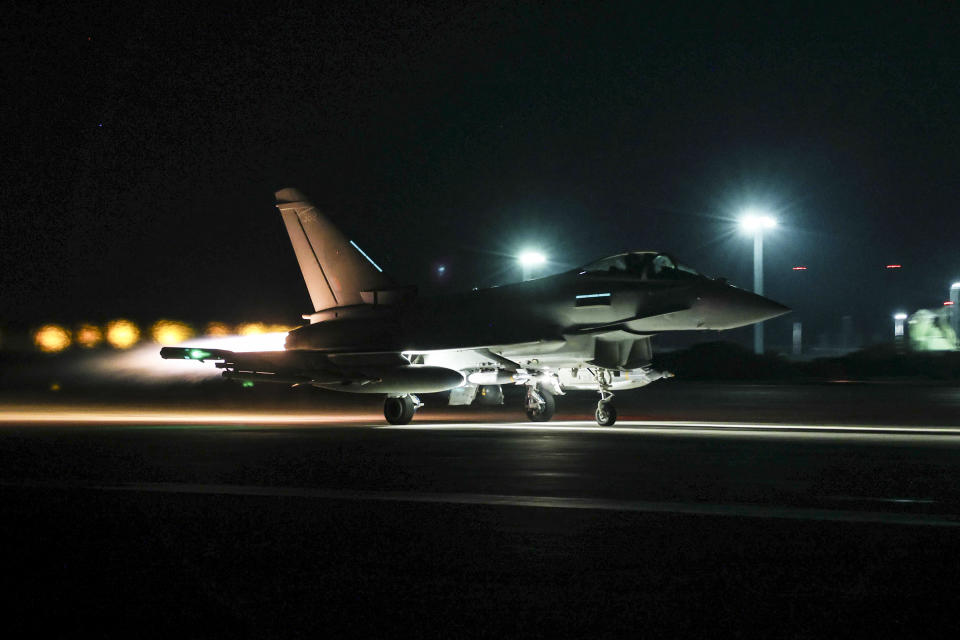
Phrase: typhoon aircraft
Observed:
(588, 328)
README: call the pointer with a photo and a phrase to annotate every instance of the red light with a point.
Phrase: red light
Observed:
(893, 266)
(948, 303)
(799, 268)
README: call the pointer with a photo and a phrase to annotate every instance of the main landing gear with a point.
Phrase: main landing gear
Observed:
(400, 409)
(539, 404)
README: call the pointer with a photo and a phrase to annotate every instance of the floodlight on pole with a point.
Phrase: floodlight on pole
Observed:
(752, 221)
(756, 222)
(529, 260)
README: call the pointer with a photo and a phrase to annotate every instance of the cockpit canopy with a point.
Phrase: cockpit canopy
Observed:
(649, 265)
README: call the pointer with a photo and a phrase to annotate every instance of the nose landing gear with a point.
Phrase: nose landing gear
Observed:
(400, 409)
(606, 413)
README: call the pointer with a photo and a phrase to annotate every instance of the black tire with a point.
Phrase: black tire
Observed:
(549, 407)
(399, 410)
(606, 414)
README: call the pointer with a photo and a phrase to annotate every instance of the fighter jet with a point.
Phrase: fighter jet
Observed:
(588, 328)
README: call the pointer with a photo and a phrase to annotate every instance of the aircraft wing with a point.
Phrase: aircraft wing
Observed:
(288, 367)
(383, 372)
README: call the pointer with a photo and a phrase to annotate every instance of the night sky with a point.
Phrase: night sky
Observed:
(142, 149)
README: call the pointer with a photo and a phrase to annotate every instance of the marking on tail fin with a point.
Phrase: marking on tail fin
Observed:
(317, 258)
(364, 254)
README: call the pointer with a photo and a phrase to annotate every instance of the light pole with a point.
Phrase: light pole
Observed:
(756, 223)
(955, 310)
(529, 260)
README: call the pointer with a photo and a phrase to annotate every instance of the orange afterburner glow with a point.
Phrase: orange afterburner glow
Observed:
(170, 332)
(122, 334)
(51, 338)
(88, 336)
(257, 328)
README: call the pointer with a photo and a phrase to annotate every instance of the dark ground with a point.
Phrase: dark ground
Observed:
(494, 529)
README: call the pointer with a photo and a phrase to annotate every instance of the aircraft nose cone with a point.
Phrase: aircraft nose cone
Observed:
(727, 307)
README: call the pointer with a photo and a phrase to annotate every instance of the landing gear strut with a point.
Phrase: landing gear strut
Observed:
(606, 413)
(400, 410)
(540, 404)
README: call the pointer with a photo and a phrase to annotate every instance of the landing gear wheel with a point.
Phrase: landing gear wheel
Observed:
(543, 412)
(606, 414)
(399, 410)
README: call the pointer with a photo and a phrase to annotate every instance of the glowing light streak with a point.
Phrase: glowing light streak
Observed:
(760, 429)
(799, 268)
(363, 253)
(45, 414)
(584, 296)
(139, 416)
(894, 266)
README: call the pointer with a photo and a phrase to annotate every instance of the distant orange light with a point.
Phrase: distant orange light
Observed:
(122, 334)
(88, 336)
(893, 266)
(251, 328)
(799, 268)
(51, 338)
(170, 332)
(217, 329)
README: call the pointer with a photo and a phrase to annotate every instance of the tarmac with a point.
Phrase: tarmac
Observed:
(265, 520)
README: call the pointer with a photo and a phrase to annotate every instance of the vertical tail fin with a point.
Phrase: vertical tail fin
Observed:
(335, 269)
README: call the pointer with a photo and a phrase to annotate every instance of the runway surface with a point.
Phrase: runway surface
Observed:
(204, 521)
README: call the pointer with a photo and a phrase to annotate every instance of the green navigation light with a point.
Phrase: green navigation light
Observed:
(247, 384)
(197, 354)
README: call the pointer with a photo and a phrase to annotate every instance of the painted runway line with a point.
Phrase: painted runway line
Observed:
(538, 502)
(553, 502)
